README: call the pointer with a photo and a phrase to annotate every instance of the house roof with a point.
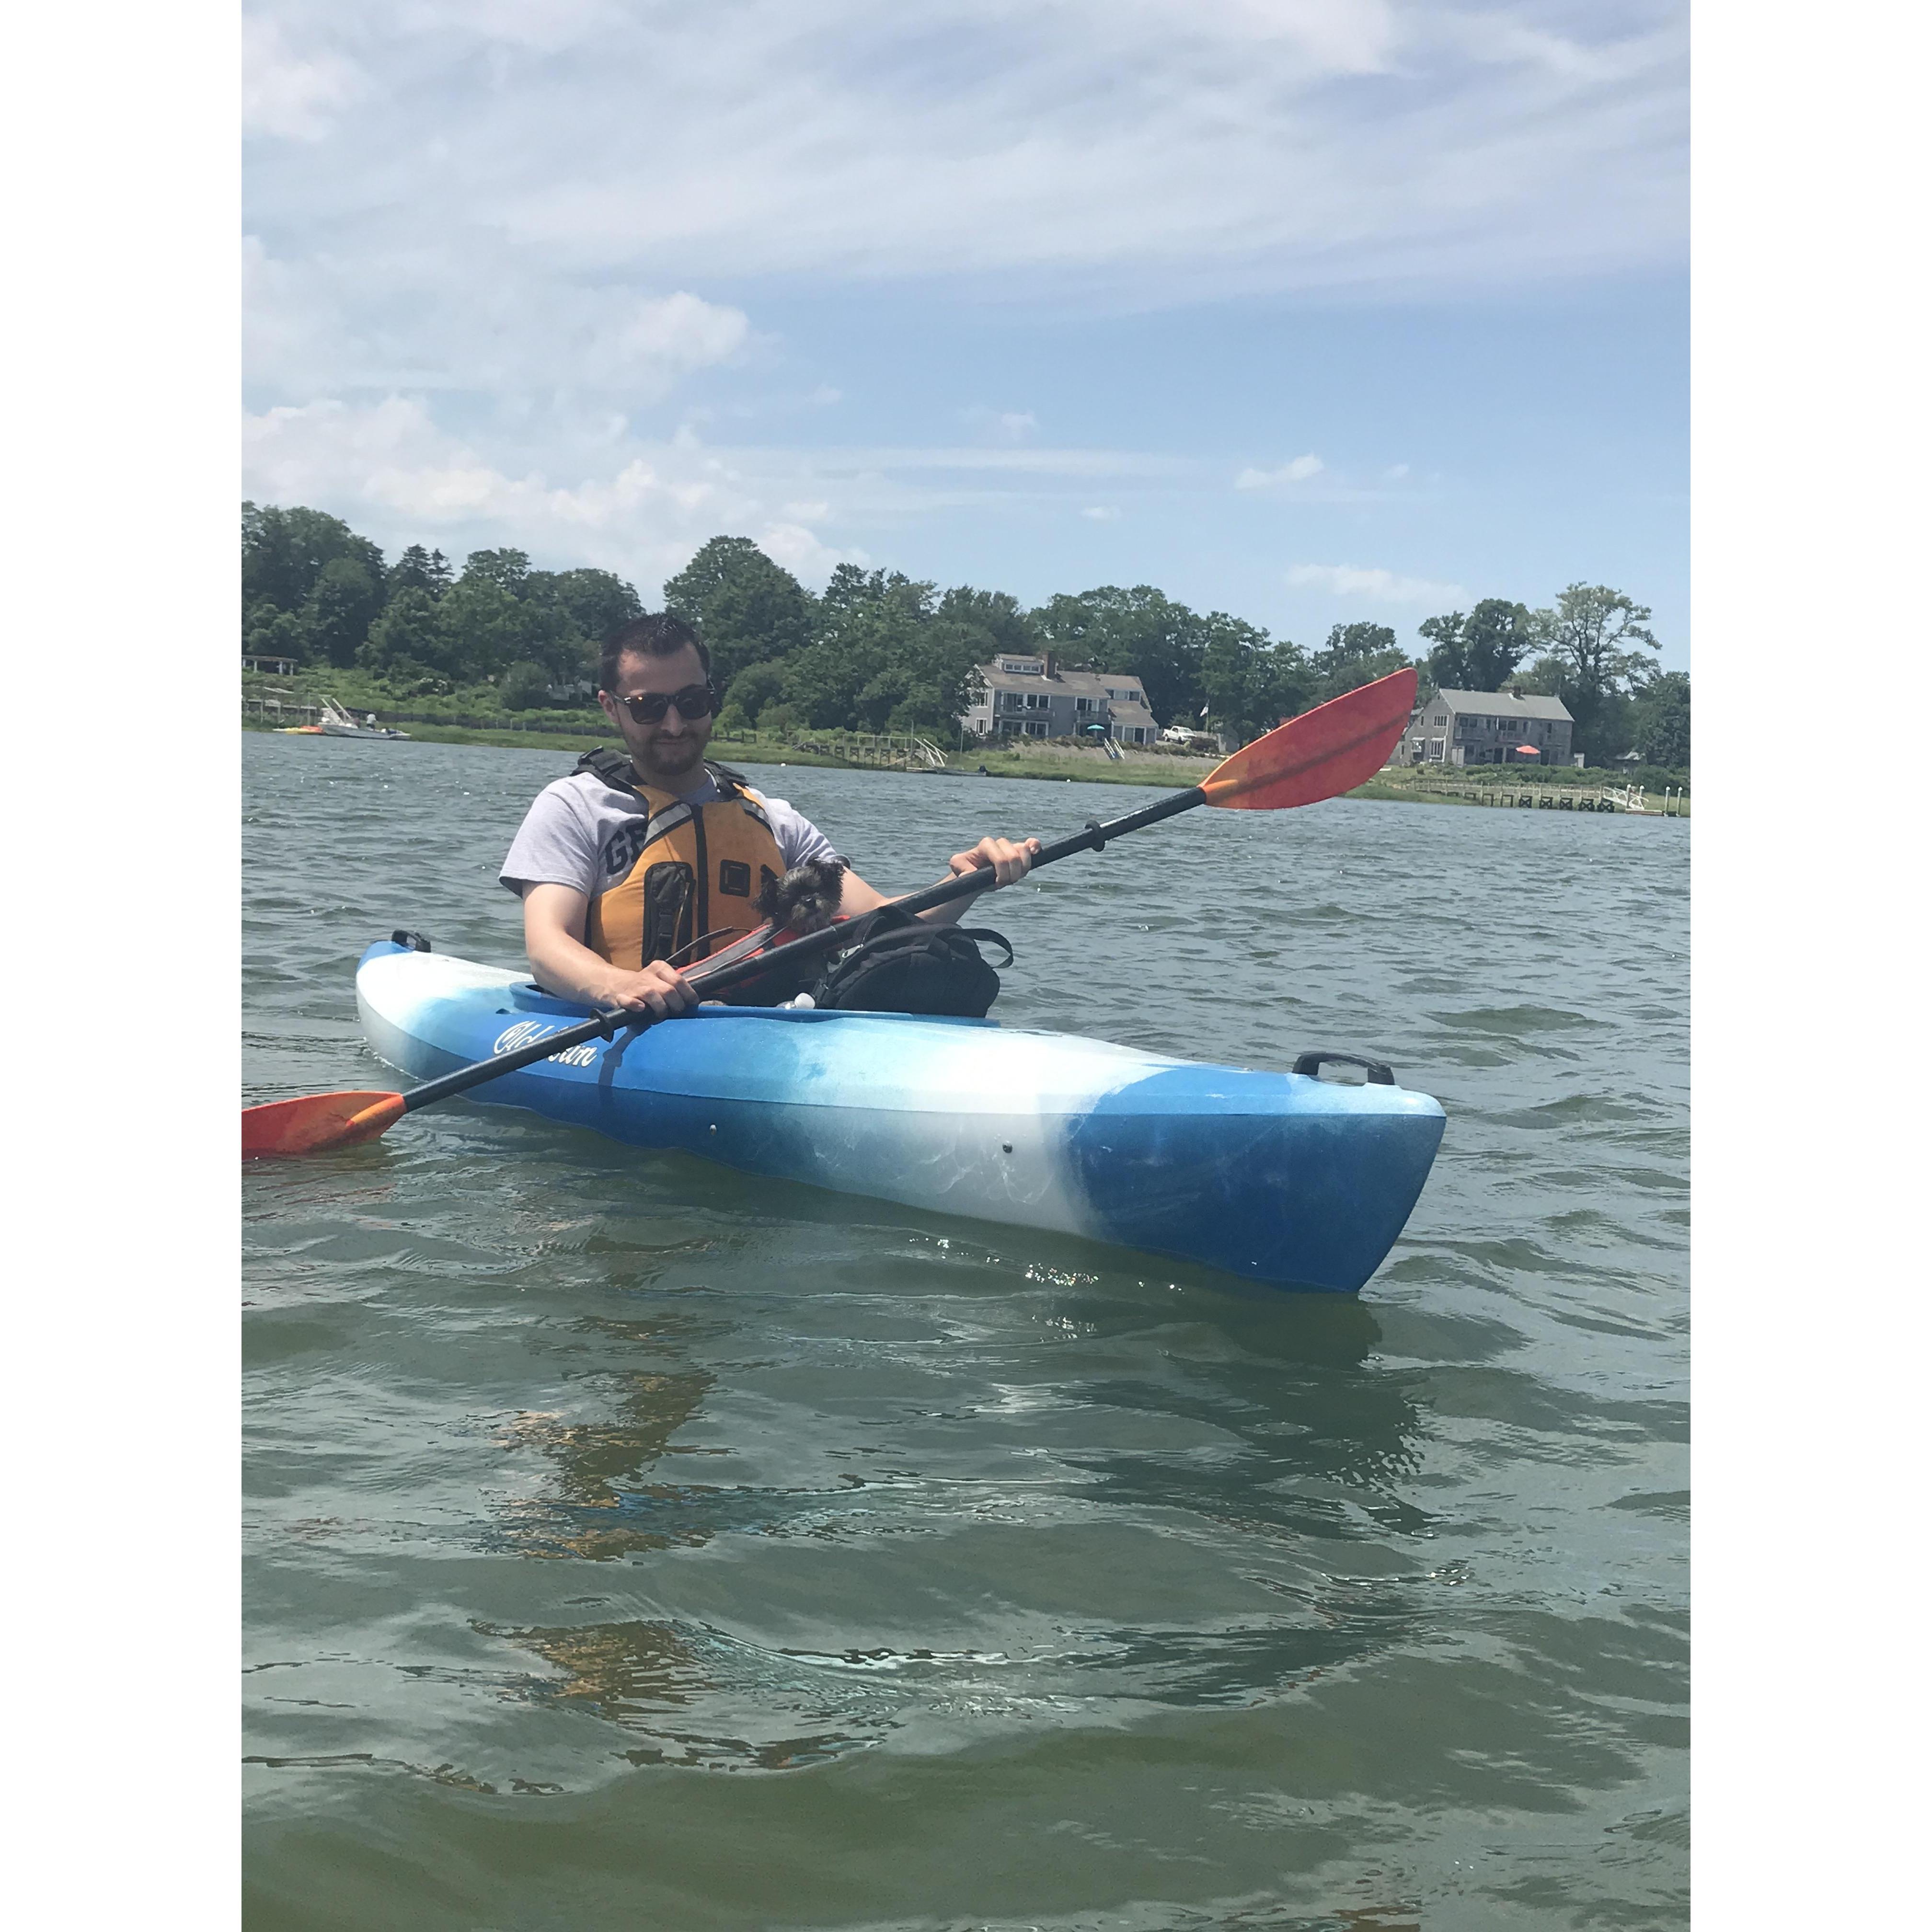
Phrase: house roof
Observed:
(1071, 684)
(1067, 683)
(1502, 704)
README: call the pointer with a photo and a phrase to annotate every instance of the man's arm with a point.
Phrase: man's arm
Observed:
(1009, 858)
(553, 937)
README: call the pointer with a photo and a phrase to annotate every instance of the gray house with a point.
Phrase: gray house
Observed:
(1487, 727)
(1033, 697)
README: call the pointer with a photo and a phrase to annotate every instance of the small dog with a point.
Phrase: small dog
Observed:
(806, 899)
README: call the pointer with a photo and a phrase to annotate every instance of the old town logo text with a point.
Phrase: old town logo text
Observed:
(526, 1033)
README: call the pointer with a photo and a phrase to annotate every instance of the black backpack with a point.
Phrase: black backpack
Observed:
(905, 965)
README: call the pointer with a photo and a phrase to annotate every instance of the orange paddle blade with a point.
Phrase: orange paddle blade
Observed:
(1322, 754)
(317, 1121)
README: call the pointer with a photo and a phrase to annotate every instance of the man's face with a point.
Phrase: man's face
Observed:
(673, 747)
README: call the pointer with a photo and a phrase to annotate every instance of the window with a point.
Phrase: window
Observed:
(1035, 730)
(1137, 735)
(1086, 704)
(1441, 720)
(1037, 700)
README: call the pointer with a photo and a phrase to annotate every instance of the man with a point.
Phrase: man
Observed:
(623, 869)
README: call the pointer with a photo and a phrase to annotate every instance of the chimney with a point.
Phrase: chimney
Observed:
(1052, 665)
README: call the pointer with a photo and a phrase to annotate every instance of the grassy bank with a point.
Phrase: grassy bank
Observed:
(1427, 785)
(455, 720)
(729, 750)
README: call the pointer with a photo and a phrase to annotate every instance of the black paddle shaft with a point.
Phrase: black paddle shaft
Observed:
(1093, 837)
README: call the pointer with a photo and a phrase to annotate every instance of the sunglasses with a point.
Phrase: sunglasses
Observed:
(648, 707)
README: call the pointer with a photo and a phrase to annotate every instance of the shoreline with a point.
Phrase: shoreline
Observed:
(1391, 786)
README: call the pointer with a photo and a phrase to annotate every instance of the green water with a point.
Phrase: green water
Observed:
(632, 1543)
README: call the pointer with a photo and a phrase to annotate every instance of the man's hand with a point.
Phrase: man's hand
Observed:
(1009, 860)
(659, 989)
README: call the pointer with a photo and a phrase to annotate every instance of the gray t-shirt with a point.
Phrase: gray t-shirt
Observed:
(582, 833)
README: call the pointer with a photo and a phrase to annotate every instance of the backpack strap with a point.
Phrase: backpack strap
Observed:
(986, 934)
(906, 934)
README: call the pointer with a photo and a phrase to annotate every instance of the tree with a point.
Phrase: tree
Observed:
(269, 633)
(1141, 631)
(1496, 639)
(595, 602)
(755, 687)
(407, 643)
(1480, 651)
(523, 686)
(1249, 683)
(507, 569)
(859, 665)
(1590, 630)
(486, 628)
(1588, 634)
(969, 628)
(419, 569)
(1355, 654)
(346, 601)
(1663, 720)
(1446, 666)
(284, 553)
(747, 609)
(998, 617)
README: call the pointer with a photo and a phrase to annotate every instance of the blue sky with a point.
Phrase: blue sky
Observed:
(1306, 309)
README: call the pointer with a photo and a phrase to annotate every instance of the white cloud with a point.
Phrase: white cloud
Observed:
(1395, 472)
(490, 238)
(288, 94)
(1184, 146)
(638, 506)
(321, 324)
(1298, 471)
(1001, 425)
(679, 332)
(388, 469)
(1347, 583)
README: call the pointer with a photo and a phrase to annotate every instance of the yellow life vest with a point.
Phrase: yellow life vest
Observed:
(693, 888)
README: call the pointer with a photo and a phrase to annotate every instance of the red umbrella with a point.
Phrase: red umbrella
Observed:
(1535, 750)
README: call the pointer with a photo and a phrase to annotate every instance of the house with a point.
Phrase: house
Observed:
(1487, 727)
(1029, 697)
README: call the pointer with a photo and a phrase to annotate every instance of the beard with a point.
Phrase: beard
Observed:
(675, 757)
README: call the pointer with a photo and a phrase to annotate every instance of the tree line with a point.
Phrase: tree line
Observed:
(878, 651)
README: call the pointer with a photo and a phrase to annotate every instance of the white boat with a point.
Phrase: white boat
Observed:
(337, 723)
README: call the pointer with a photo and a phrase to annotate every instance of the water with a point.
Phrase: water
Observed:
(633, 1543)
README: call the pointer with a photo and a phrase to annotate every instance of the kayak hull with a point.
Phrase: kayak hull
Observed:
(1277, 1178)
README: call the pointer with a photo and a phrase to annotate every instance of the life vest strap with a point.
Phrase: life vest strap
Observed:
(617, 770)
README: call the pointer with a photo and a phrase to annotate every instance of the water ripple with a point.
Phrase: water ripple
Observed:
(631, 1541)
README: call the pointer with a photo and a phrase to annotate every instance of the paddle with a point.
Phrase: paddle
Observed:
(1324, 751)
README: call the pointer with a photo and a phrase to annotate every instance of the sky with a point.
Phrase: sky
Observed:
(1308, 311)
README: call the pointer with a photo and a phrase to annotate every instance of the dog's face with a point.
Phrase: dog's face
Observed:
(806, 899)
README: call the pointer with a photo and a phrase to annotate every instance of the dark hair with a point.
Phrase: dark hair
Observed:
(662, 636)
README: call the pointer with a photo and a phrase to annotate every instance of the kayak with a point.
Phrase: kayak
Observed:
(1283, 1178)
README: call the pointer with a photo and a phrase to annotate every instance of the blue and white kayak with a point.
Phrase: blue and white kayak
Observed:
(1285, 1178)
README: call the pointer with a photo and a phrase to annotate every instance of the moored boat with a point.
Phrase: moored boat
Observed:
(337, 723)
(1283, 1178)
